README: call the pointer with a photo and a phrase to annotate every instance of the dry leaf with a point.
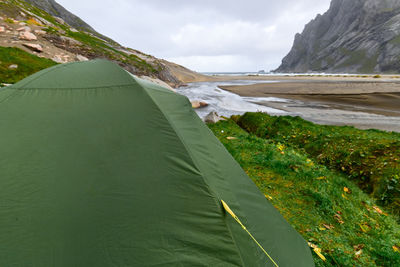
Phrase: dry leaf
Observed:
(359, 247)
(231, 138)
(396, 249)
(268, 197)
(365, 227)
(358, 253)
(343, 196)
(347, 190)
(328, 226)
(322, 228)
(378, 210)
(339, 218)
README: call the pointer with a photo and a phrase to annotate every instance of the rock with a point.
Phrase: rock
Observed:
(70, 41)
(2, 29)
(351, 37)
(25, 29)
(213, 117)
(34, 47)
(73, 30)
(198, 104)
(81, 58)
(13, 67)
(40, 32)
(59, 20)
(159, 82)
(22, 24)
(28, 36)
(58, 59)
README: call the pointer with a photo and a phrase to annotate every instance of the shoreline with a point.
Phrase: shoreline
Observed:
(381, 98)
(364, 105)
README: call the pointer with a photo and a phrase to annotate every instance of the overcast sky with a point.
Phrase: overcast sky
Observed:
(203, 35)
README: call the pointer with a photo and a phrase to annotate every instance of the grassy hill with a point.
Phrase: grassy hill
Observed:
(344, 225)
(26, 63)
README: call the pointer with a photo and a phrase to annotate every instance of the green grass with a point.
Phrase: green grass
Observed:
(102, 48)
(27, 64)
(323, 205)
(370, 158)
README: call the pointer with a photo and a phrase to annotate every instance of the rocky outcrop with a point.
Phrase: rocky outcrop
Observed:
(55, 33)
(353, 36)
(59, 12)
(199, 104)
(34, 47)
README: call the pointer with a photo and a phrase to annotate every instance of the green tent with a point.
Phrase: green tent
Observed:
(100, 168)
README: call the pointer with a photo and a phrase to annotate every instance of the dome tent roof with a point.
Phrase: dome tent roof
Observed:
(100, 168)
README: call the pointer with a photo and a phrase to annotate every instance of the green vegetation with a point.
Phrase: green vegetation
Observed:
(369, 158)
(94, 44)
(330, 211)
(359, 57)
(27, 64)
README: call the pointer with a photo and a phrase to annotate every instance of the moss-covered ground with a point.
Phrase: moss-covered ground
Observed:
(324, 204)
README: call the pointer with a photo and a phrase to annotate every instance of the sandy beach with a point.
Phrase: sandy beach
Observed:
(374, 97)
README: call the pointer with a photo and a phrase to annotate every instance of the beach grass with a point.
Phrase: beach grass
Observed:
(327, 208)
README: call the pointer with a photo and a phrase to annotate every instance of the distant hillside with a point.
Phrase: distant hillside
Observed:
(46, 29)
(354, 36)
(55, 9)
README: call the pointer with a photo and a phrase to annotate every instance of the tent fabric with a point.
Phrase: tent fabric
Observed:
(101, 168)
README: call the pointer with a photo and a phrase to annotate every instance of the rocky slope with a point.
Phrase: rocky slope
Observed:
(354, 36)
(46, 29)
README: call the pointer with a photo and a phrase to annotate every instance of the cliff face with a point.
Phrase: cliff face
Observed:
(55, 9)
(353, 36)
(46, 29)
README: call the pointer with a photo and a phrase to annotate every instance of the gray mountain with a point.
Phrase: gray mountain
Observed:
(354, 36)
(55, 9)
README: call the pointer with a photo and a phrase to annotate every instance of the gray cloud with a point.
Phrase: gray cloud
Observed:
(204, 35)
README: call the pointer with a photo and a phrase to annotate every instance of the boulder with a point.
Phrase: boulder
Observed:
(40, 32)
(198, 104)
(13, 67)
(34, 47)
(28, 36)
(73, 30)
(70, 41)
(59, 59)
(81, 58)
(2, 29)
(158, 82)
(59, 20)
(213, 117)
(25, 29)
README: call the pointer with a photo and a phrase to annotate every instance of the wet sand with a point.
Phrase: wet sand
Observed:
(373, 97)
(363, 104)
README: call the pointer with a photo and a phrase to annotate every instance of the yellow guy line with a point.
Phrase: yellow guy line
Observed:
(226, 207)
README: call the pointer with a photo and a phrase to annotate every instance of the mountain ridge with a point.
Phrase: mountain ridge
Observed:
(354, 36)
(59, 35)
